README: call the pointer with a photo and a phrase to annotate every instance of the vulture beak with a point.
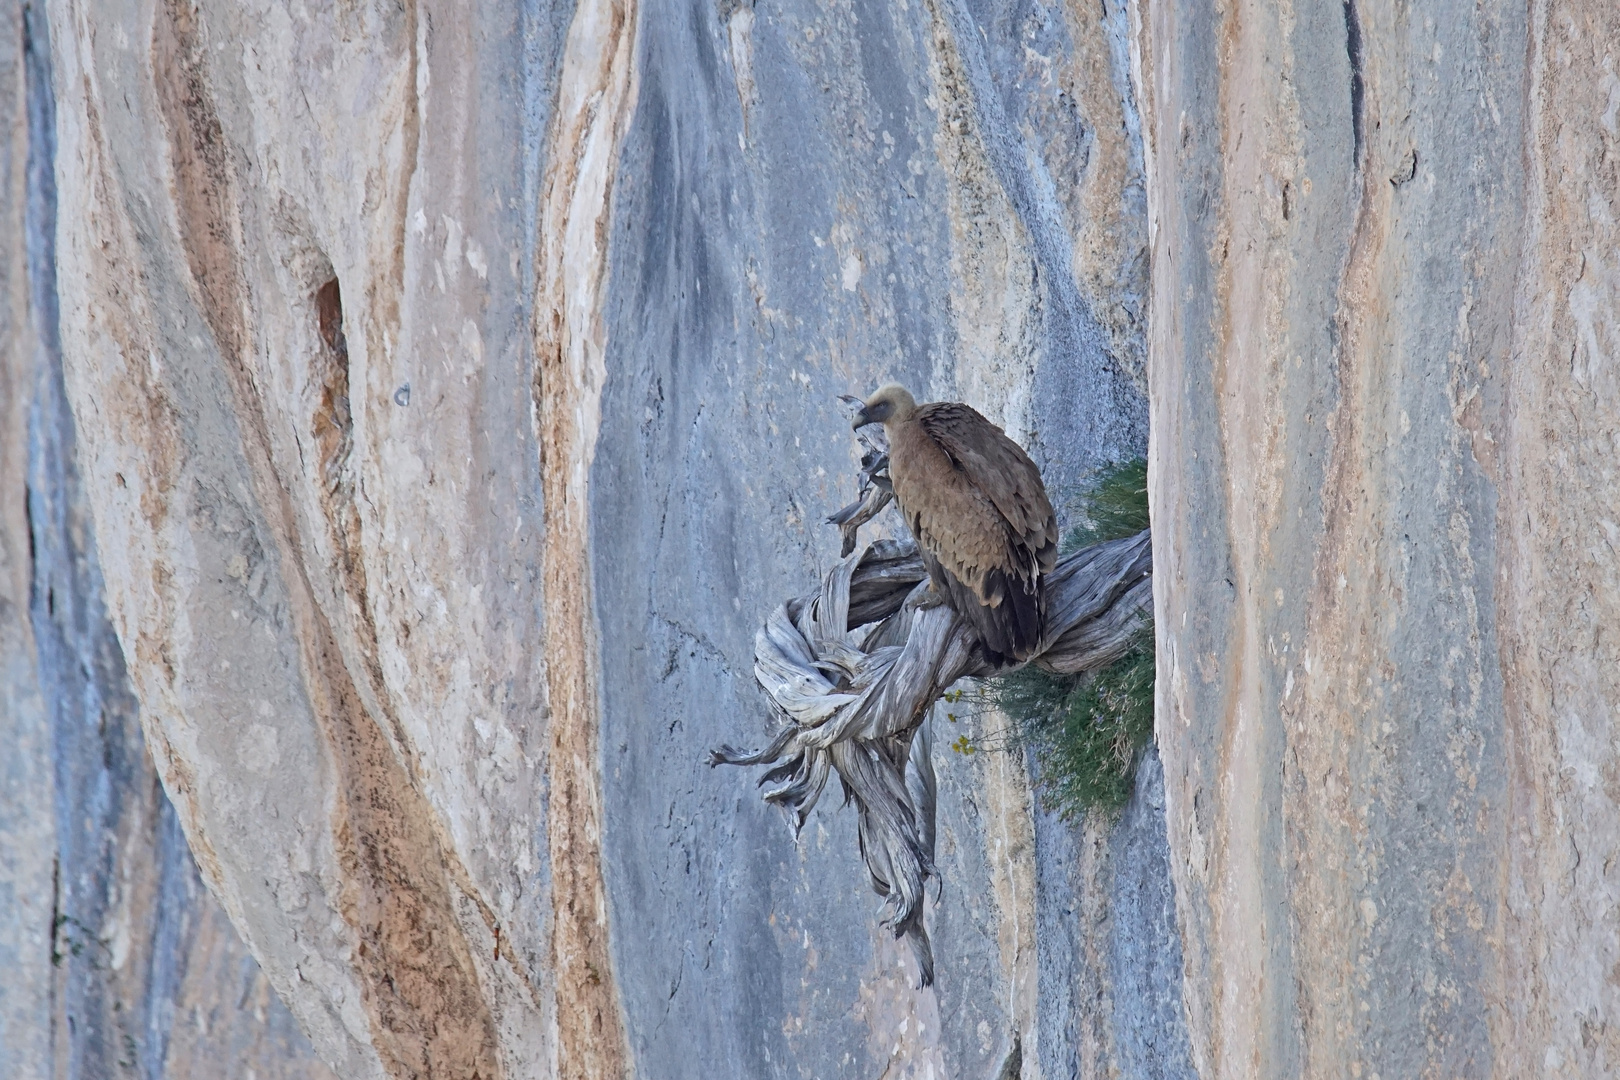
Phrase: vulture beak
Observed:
(862, 418)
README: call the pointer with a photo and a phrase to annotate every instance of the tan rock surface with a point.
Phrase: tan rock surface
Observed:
(1381, 318)
(1554, 452)
(115, 957)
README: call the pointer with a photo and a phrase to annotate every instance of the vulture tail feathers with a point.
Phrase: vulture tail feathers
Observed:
(1009, 632)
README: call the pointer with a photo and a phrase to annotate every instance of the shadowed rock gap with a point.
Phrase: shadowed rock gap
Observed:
(334, 430)
(1352, 46)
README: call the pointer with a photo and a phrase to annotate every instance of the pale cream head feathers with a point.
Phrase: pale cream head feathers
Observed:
(891, 404)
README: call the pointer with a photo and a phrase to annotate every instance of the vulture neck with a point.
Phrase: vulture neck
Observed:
(903, 413)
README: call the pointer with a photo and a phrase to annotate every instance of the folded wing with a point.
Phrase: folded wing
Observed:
(977, 506)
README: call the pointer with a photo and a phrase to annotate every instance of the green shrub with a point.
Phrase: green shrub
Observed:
(1088, 731)
(1114, 505)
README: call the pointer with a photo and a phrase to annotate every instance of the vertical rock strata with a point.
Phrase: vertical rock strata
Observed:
(237, 474)
(454, 391)
(811, 200)
(27, 823)
(597, 95)
(116, 958)
(1381, 327)
(1553, 452)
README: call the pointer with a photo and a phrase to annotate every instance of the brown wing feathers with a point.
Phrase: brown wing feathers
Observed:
(975, 502)
(1000, 470)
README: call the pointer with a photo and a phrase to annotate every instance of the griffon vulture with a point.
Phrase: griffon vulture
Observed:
(975, 502)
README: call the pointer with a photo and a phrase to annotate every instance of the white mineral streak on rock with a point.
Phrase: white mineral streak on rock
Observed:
(1010, 843)
(994, 313)
(739, 36)
(1085, 129)
(993, 308)
(596, 97)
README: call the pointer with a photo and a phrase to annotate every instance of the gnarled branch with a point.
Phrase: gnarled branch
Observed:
(853, 670)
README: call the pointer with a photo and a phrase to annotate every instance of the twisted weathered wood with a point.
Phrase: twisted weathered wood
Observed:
(853, 670)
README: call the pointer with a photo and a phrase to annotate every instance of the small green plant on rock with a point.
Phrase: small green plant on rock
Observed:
(1113, 505)
(1088, 731)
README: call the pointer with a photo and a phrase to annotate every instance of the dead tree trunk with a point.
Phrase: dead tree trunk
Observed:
(853, 670)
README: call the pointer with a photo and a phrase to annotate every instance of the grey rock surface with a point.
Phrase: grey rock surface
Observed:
(754, 285)
(454, 393)
(1110, 953)
(781, 238)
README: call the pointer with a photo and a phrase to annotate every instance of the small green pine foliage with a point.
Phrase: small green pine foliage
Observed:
(1088, 731)
(1115, 505)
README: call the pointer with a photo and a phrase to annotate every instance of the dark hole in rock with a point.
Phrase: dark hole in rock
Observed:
(335, 373)
(329, 316)
(334, 423)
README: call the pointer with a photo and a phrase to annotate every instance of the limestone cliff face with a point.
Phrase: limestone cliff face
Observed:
(1382, 372)
(428, 403)
(116, 959)
(409, 411)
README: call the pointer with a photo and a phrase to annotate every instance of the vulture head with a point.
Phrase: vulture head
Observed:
(890, 404)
